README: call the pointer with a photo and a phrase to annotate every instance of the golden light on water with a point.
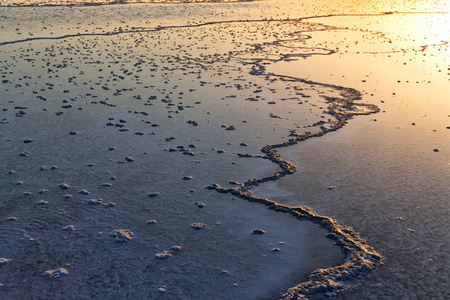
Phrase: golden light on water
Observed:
(435, 26)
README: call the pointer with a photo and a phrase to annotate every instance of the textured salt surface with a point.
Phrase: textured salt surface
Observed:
(144, 177)
(146, 117)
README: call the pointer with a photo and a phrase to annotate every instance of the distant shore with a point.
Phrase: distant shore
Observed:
(47, 3)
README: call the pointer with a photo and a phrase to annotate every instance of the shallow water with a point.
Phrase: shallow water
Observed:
(148, 81)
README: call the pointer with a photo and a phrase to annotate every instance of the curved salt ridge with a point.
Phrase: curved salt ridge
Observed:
(360, 258)
(151, 29)
(159, 28)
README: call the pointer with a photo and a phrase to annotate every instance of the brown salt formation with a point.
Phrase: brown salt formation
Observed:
(84, 192)
(69, 228)
(163, 255)
(64, 186)
(4, 261)
(56, 273)
(199, 204)
(121, 235)
(95, 202)
(197, 226)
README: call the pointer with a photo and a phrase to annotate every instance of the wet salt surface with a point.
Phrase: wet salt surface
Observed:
(130, 101)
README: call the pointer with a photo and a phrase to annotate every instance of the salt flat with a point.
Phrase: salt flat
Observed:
(115, 119)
